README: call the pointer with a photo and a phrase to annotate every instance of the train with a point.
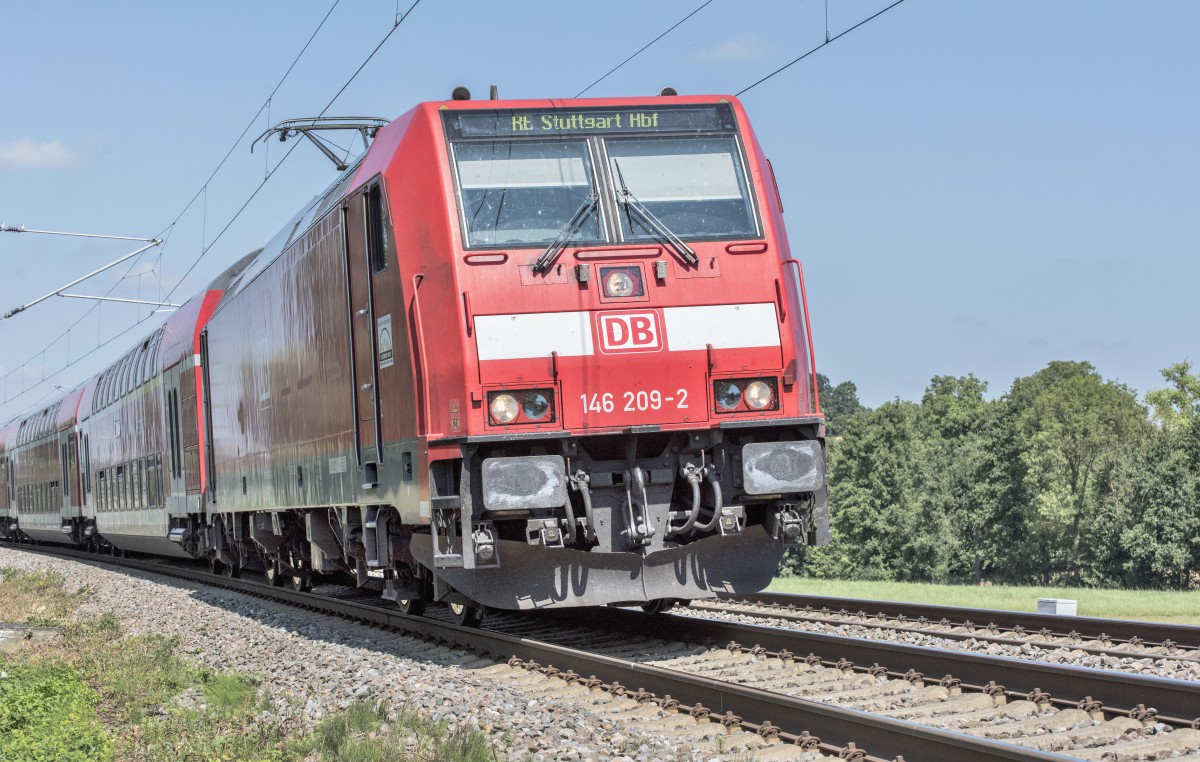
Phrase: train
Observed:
(522, 354)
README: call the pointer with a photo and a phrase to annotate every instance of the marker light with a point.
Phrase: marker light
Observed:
(728, 395)
(622, 282)
(504, 408)
(758, 395)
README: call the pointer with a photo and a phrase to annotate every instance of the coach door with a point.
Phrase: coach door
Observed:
(361, 218)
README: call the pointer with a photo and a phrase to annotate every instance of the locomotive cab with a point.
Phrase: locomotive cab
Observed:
(638, 420)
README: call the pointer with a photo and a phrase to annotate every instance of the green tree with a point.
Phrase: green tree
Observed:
(1160, 534)
(1075, 429)
(838, 403)
(956, 418)
(874, 493)
(1179, 404)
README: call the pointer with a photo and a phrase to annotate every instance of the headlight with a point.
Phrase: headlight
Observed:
(520, 406)
(504, 408)
(618, 284)
(728, 395)
(745, 395)
(758, 395)
(535, 405)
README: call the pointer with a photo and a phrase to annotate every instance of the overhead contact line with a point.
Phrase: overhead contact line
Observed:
(828, 40)
(643, 48)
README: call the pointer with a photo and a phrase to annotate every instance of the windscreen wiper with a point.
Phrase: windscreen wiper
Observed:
(569, 231)
(663, 233)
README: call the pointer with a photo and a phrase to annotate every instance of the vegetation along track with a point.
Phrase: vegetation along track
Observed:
(829, 702)
(1110, 637)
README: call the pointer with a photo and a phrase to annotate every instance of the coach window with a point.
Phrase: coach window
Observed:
(118, 389)
(85, 467)
(144, 481)
(66, 474)
(123, 377)
(156, 480)
(139, 368)
(127, 374)
(524, 192)
(176, 436)
(106, 388)
(119, 483)
(142, 493)
(151, 357)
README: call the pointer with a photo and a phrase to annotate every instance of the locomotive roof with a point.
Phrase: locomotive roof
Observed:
(257, 261)
(373, 160)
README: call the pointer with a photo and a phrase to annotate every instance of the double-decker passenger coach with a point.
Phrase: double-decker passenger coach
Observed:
(522, 354)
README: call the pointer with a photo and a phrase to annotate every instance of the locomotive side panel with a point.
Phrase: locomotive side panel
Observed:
(282, 424)
(382, 279)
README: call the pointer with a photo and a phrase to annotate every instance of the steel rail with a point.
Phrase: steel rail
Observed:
(1154, 633)
(882, 737)
(934, 629)
(1176, 701)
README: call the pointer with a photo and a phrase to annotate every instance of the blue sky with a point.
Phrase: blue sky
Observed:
(972, 187)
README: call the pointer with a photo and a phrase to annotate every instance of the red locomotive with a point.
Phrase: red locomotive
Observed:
(523, 354)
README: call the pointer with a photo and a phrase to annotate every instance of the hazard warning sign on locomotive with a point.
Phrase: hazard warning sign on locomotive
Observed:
(522, 354)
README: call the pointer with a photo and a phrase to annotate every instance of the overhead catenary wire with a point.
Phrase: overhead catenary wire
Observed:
(643, 48)
(254, 193)
(236, 215)
(828, 40)
(165, 235)
(166, 231)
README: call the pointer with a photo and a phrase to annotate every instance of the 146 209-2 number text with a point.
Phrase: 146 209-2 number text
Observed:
(632, 402)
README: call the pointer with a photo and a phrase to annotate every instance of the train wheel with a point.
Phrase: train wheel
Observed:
(214, 565)
(659, 605)
(466, 614)
(274, 575)
(412, 606)
(231, 571)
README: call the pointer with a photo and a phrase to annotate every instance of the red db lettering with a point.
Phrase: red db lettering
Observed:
(629, 332)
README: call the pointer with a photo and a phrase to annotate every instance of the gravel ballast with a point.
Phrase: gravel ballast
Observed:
(316, 665)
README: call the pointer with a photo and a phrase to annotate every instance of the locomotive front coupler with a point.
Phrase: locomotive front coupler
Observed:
(641, 526)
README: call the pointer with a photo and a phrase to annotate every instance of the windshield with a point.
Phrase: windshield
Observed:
(695, 186)
(523, 192)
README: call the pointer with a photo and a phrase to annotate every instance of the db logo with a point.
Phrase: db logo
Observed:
(629, 332)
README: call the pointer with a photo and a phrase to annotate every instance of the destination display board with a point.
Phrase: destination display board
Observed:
(548, 122)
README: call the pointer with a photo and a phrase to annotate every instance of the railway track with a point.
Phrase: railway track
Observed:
(1092, 635)
(829, 696)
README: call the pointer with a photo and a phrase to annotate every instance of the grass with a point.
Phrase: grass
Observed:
(99, 694)
(1149, 605)
(365, 733)
(36, 598)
